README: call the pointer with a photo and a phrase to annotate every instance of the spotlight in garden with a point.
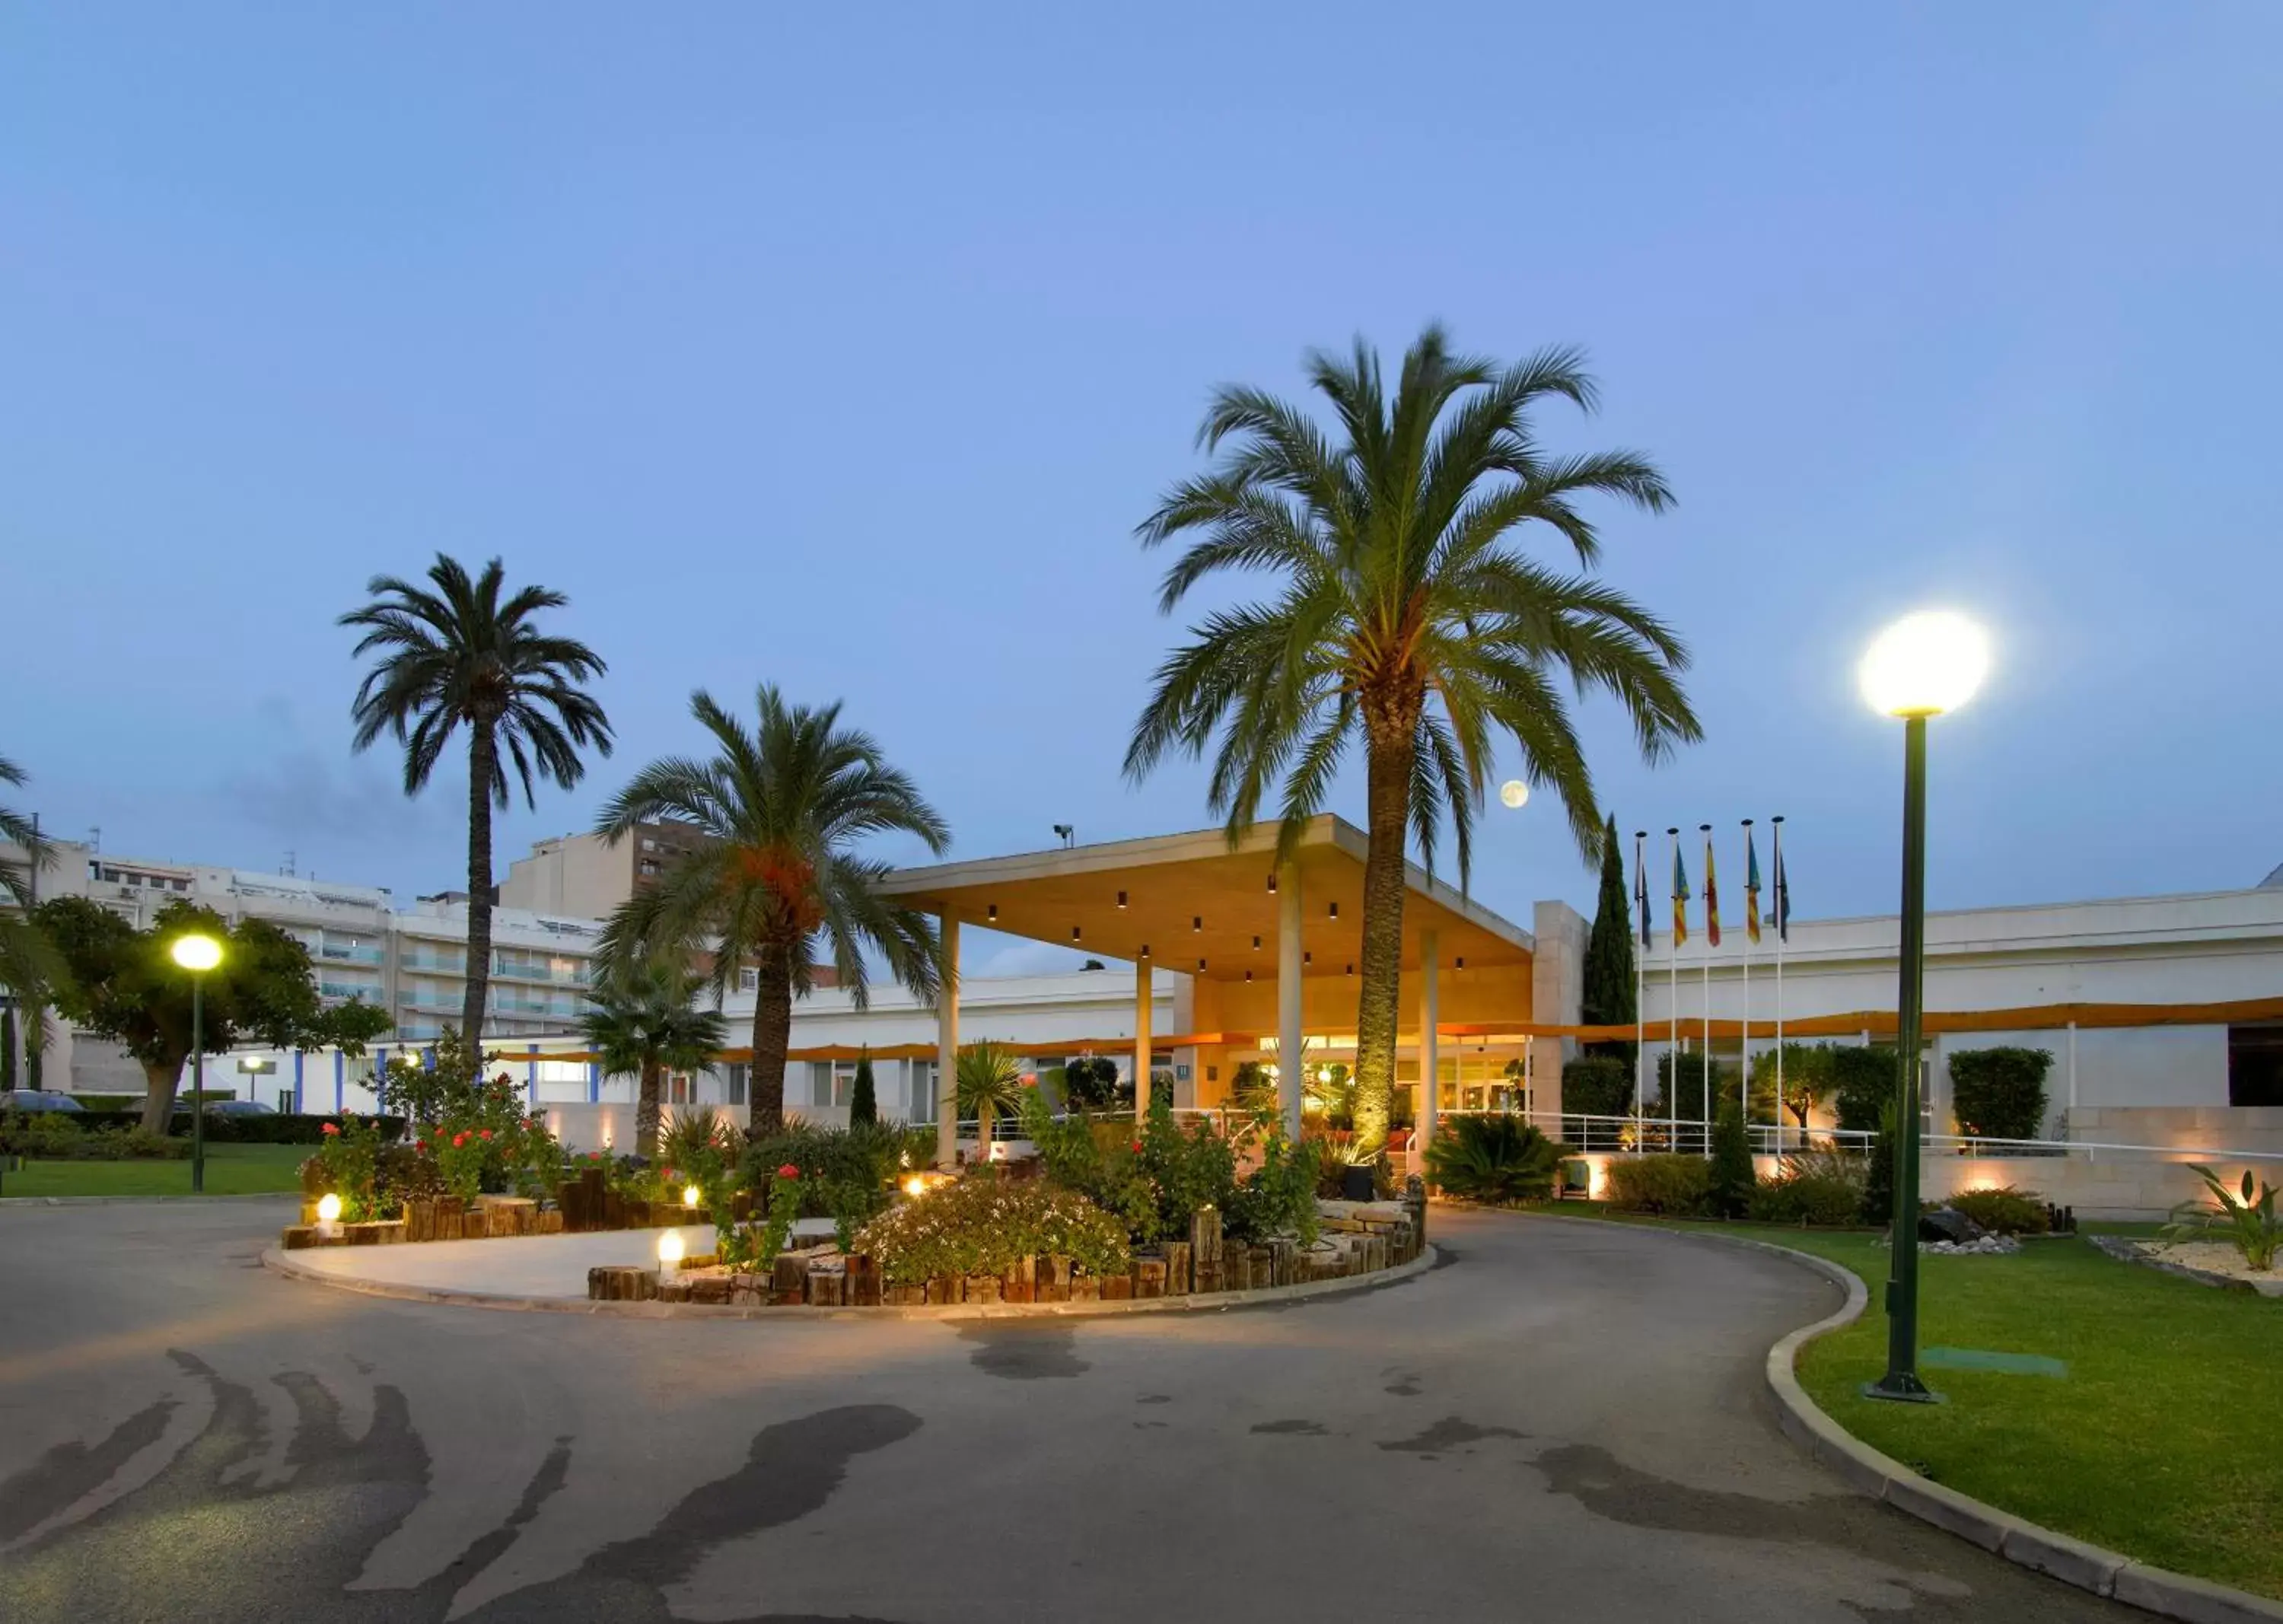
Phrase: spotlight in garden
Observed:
(329, 1215)
(689, 1196)
(669, 1253)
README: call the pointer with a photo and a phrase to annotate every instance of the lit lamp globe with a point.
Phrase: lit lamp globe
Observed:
(1515, 793)
(329, 1214)
(1924, 665)
(669, 1253)
(689, 1196)
(196, 952)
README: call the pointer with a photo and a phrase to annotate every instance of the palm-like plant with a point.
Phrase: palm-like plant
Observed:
(645, 1023)
(28, 963)
(1498, 1159)
(785, 803)
(1404, 616)
(988, 1082)
(459, 656)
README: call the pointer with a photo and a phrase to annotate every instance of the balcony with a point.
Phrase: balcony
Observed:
(436, 964)
(574, 975)
(345, 954)
(366, 990)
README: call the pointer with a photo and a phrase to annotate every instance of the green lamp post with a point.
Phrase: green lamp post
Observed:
(1921, 666)
(197, 953)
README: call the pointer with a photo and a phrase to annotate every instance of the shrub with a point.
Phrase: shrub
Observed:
(2245, 1216)
(1879, 1176)
(1674, 1185)
(1819, 1188)
(1999, 1093)
(1279, 1196)
(2004, 1210)
(1496, 1159)
(1692, 1085)
(1597, 1085)
(346, 1162)
(1090, 1083)
(1862, 1084)
(1187, 1169)
(845, 1171)
(1731, 1182)
(985, 1223)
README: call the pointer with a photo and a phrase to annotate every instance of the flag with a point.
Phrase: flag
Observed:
(1680, 898)
(1711, 899)
(1783, 894)
(1751, 888)
(1640, 890)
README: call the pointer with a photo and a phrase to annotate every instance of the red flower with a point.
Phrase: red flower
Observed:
(485, 1135)
(788, 1171)
(1137, 1147)
(594, 1156)
(332, 1129)
(670, 1175)
(420, 1144)
(458, 1140)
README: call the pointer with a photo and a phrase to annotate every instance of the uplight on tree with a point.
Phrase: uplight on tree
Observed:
(1925, 664)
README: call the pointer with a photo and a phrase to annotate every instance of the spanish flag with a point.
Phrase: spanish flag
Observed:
(1680, 897)
(1751, 888)
(1711, 898)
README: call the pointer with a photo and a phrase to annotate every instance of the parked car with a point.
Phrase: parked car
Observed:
(34, 1101)
(238, 1107)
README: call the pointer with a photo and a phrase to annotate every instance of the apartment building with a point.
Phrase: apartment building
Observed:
(583, 876)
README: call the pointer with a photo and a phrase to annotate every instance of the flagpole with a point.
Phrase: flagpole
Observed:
(1776, 835)
(1744, 1066)
(1704, 1073)
(1641, 971)
(1672, 996)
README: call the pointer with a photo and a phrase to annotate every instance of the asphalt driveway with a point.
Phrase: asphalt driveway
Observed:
(1566, 1422)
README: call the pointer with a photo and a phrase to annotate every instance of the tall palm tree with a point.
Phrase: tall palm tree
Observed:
(458, 656)
(645, 1022)
(1404, 615)
(784, 802)
(28, 963)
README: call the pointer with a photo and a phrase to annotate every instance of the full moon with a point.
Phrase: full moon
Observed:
(1514, 792)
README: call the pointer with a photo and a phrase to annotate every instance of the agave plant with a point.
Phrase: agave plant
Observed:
(1497, 1159)
(2245, 1215)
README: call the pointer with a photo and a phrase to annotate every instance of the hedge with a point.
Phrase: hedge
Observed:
(1863, 1084)
(242, 1128)
(1999, 1093)
(1597, 1085)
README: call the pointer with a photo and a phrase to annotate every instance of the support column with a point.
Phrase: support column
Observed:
(298, 1058)
(1289, 1058)
(1144, 1003)
(1430, 1082)
(946, 1051)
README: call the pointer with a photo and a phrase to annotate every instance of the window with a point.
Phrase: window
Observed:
(831, 1081)
(2255, 1066)
(677, 1089)
(749, 981)
(920, 1089)
(736, 1084)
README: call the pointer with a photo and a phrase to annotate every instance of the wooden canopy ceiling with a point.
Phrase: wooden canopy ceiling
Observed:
(1189, 897)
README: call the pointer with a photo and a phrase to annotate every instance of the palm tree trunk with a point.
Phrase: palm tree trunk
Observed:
(771, 1034)
(646, 1112)
(1388, 806)
(483, 761)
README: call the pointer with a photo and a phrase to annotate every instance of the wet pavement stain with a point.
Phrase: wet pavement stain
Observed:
(1022, 1351)
(1154, 1398)
(291, 1550)
(1291, 1429)
(1405, 1385)
(1448, 1434)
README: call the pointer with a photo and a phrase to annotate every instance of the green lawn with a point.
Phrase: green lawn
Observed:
(2164, 1442)
(231, 1170)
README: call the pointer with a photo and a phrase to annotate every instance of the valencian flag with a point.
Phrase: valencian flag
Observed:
(1640, 888)
(1751, 888)
(1680, 898)
(1711, 898)
(1783, 893)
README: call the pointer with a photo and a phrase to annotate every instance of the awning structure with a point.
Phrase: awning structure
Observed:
(1191, 897)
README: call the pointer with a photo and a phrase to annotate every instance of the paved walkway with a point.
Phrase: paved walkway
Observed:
(534, 1266)
(1565, 1422)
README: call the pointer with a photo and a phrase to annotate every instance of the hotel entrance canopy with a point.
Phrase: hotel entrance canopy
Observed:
(1186, 898)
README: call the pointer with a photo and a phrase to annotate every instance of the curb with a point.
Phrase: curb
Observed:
(2124, 1251)
(7, 1201)
(283, 1263)
(1868, 1471)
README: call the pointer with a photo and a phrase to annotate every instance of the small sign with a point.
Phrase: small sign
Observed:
(1181, 1074)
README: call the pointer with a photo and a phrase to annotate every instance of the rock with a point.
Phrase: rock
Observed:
(1943, 1224)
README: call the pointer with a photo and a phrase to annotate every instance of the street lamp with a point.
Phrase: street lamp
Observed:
(1921, 666)
(198, 954)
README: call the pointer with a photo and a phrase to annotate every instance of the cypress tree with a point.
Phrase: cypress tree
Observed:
(7, 1050)
(863, 1106)
(1609, 995)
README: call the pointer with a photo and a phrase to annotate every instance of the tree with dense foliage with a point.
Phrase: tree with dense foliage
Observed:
(1733, 1178)
(1403, 616)
(122, 984)
(457, 656)
(28, 963)
(863, 1099)
(1610, 990)
(784, 804)
(644, 1021)
(1808, 1080)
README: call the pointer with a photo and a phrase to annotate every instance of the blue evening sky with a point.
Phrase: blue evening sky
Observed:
(843, 346)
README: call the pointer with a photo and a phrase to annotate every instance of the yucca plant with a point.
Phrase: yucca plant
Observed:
(989, 1082)
(697, 1140)
(2245, 1215)
(1497, 1159)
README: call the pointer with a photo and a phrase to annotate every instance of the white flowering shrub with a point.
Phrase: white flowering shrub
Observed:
(981, 1224)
